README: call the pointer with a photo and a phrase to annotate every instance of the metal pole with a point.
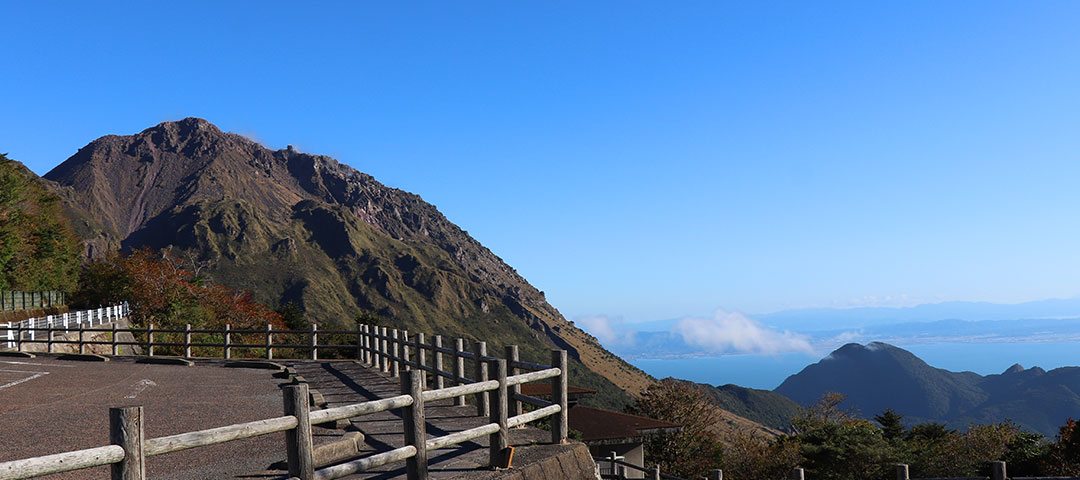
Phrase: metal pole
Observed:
(314, 342)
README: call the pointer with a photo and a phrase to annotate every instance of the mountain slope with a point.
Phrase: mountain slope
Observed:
(768, 408)
(294, 227)
(879, 376)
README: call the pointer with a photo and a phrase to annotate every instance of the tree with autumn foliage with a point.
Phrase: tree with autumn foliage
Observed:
(691, 452)
(164, 293)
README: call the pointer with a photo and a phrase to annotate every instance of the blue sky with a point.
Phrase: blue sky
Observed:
(634, 160)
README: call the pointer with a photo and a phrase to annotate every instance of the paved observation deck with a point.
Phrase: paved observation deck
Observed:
(49, 405)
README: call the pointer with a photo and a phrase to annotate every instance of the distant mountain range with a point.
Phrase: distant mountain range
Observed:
(877, 376)
(813, 319)
(306, 229)
(1056, 320)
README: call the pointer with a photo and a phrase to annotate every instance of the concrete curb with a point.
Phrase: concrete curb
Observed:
(261, 364)
(17, 354)
(83, 357)
(166, 361)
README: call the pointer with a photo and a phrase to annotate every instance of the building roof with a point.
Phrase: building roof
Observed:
(599, 426)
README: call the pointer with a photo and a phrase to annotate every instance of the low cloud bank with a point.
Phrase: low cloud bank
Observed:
(730, 332)
(610, 331)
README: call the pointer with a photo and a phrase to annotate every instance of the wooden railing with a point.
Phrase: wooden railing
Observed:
(390, 351)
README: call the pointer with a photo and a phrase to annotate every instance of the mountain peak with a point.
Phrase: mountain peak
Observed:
(189, 124)
(1015, 368)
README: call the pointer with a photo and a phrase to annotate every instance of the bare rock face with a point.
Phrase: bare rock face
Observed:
(295, 227)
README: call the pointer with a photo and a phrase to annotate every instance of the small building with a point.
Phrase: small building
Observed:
(607, 431)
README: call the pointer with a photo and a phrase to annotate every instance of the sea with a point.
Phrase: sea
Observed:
(766, 372)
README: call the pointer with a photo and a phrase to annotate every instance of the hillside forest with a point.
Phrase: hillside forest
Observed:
(833, 443)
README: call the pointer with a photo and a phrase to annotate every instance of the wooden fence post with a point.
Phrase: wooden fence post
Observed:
(114, 332)
(314, 342)
(150, 339)
(384, 354)
(298, 440)
(395, 364)
(902, 472)
(48, 333)
(360, 343)
(997, 471)
(269, 342)
(498, 441)
(18, 335)
(413, 415)
(406, 353)
(226, 352)
(126, 430)
(483, 407)
(459, 369)
(511, 357)
(421, 360)
(438, 365)
(559, 426)
(369, 354)
(187, 340)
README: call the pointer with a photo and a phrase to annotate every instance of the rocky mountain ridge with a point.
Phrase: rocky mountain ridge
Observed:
(302, 228)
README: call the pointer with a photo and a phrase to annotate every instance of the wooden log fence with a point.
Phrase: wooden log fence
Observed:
(374, 346)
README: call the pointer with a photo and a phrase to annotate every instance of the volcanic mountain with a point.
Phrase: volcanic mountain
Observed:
(877, 376)
(294, 227)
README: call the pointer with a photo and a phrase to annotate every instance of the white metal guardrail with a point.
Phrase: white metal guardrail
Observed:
(12, 333)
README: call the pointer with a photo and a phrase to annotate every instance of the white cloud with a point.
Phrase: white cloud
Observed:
(610, 331)
(735, 333)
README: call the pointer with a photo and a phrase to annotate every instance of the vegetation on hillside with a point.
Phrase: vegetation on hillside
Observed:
(163, 291)
(833, 443)
(38, 250)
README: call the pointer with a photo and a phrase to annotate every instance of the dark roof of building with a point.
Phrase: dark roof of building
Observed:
(598, 424)
(543, 389)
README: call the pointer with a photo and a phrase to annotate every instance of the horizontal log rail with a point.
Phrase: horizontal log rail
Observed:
(388, 351)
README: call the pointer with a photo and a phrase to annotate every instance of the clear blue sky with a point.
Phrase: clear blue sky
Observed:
(637, 160)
